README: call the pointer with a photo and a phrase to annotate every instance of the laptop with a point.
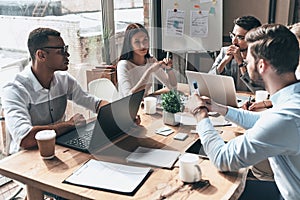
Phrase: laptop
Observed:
(219, 88)
(113, 120)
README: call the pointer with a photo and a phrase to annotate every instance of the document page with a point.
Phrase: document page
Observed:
(189, 119)
(109, 176)
(155, 157)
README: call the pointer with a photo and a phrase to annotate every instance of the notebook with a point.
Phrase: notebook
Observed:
(219, 88)
(113, 120)
(110, 177)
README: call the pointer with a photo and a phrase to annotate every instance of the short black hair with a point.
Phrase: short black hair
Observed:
(39, 38)
(247, 22)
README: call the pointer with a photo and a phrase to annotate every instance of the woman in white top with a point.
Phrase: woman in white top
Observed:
(136, 67)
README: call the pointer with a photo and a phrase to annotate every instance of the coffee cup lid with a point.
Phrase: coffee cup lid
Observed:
(45, 135)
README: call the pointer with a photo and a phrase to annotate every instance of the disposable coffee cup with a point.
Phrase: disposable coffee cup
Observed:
(150, 105)
(261, 95)
(46, 143)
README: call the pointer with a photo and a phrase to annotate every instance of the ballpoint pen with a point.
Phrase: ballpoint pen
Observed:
(248, 102)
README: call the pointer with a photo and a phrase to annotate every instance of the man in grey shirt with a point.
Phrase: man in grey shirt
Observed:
(231, 60)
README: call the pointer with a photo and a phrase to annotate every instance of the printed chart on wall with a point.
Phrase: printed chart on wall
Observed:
(192, 25)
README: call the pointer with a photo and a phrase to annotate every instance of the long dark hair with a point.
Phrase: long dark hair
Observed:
(127, 49)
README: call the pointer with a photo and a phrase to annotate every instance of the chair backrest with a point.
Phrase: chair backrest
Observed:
(104, 89)
(4, 136)
(7, 74)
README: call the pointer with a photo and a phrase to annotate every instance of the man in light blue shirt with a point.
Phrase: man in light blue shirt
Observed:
(273, 55)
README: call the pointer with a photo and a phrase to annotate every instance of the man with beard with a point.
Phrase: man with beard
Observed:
(273, 134)
(231, 60)
(37, 98)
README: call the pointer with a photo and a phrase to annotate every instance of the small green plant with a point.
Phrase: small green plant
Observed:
(171, 101)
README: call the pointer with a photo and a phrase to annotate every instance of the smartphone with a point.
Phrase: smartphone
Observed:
(197, 148)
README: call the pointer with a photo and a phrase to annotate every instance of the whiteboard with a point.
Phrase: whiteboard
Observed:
(202, 36)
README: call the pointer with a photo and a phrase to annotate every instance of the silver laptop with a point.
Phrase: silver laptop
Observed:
(219, 88)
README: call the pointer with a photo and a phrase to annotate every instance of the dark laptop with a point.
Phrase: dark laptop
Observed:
(113, 120)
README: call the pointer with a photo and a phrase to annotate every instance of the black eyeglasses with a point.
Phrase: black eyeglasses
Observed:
(239, 37)
(64, 49)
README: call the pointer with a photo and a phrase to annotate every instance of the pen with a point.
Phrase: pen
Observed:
(168, 54)
(195, 84)
(249, 102)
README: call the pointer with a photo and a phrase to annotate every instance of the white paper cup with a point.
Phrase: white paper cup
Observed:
(189, 169)
(150, 105)
(46, 143)
(261, 95)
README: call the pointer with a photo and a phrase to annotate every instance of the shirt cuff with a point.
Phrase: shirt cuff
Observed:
(204, 126)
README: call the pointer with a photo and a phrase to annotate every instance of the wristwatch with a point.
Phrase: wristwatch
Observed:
(243, 64)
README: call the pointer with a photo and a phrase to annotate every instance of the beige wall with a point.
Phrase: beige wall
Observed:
(258, 8)
(236, 8)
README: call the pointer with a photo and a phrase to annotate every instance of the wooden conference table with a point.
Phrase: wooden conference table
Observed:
(48, 175)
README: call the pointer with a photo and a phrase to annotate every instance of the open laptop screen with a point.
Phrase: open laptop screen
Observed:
(115, 119)
(218, 87)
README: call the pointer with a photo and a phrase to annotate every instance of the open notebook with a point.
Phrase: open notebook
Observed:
(108, 176)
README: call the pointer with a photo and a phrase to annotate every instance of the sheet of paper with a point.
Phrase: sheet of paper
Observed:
(188, 119)
(109, 176)
(175, 23)
(155, 157)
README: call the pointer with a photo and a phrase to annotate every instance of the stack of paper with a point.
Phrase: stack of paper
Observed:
(155, 157)
(189, 119)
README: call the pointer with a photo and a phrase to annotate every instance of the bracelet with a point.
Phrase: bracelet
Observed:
(265, 104)
(200, 108)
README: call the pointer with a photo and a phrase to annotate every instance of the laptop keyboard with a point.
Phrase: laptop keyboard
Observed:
(82, 141)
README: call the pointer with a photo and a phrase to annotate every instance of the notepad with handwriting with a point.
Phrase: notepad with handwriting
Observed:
(109, 176)
(154, 157)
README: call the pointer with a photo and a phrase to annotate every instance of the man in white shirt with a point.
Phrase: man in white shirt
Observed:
(37, 98)
(273, 134)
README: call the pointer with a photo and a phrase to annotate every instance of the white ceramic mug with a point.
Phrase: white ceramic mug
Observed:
(150, 105)
(189, 169)
(46, 143)
(261, 95)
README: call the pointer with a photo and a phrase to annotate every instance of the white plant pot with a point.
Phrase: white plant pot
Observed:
(169, 118)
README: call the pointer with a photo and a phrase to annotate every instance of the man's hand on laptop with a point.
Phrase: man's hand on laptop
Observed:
(78, 120)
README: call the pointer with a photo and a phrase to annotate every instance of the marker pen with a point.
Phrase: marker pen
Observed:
(195, 84)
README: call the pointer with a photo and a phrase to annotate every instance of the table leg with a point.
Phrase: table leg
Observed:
(34, 193)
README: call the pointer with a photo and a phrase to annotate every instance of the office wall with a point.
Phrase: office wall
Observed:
(236, 8)
(257, 8)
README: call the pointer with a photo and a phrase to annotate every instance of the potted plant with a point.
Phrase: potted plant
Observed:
(171, 104)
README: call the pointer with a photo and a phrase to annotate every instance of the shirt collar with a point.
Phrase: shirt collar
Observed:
(35, 82)
(281, 96)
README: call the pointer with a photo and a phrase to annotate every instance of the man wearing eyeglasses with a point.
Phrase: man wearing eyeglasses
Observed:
(37, 98)
(231, 60)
